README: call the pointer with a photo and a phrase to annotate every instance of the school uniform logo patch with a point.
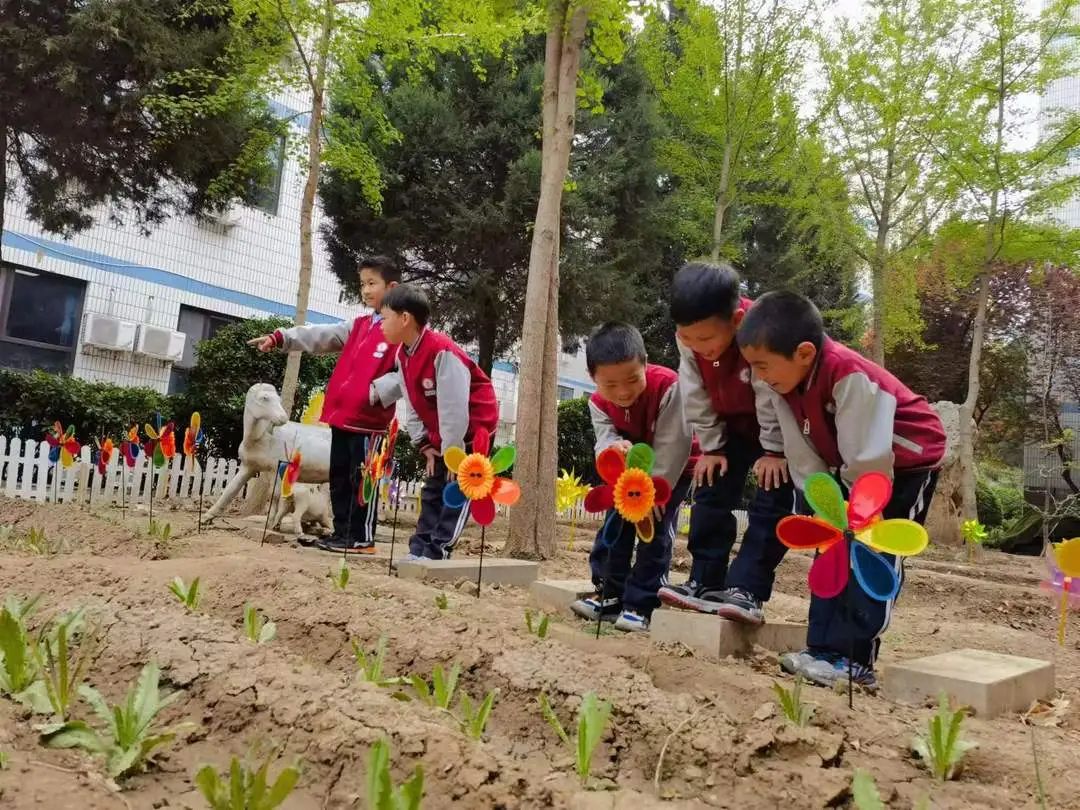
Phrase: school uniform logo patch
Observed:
(429, 386)
(744, 375)
(382, 347)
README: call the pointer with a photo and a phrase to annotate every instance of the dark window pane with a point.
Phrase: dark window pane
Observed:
(198, 325)
(178, 380)
(27, 358)
(268, 194)
(45, 308)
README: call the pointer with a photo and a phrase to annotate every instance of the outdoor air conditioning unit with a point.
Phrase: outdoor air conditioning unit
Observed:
(160, 343)
(107, 332)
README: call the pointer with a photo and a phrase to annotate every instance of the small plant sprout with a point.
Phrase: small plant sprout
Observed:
(245, 789)
(130, 738)
(974, 534)
(538, 629)
(474, 718)
(381, 792)
(371, 664)
(160, 531)
(18, 668)
(864, 793)
(441, 692)
(256, 627)
(791, 704)
(340, 577)
(941, 749)
(4, 760)
(187, 595)
(37, 542)
(441, 602)
(593, 717)
(62, 673)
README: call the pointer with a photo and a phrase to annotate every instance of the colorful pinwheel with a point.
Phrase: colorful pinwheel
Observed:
(160, 443)
(850, 535)
(629, 488)
(378, 464)
(63, 446)
(130, 446)
(194, 438)
(103, 455)
(1064, 564)
(477, 482)
(289, 473)
(569, 490)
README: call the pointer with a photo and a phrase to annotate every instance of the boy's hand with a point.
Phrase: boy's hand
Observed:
(264, 343)
(706, 469)
(771, 472)
(430, 453)
(623, 446)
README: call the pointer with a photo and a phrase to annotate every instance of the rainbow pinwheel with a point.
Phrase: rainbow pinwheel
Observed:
(850, 535)
(476, 480)
(160, 444)
(629, 488)
(378, 464)
(1064, 564)
(131, 446)
(194, 438)
(103, 455)
(289, 472)
(63, 446)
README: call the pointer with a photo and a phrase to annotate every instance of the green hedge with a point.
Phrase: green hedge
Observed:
(576, 439)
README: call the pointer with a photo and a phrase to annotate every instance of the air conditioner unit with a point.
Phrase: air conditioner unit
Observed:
(161, 343)
(107, 332)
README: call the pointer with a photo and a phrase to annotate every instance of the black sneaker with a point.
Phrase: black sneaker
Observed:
(738, 606)
(591, 608)
(687, 596)
(342, 545)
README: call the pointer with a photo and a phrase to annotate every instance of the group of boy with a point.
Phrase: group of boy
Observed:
(761, 389)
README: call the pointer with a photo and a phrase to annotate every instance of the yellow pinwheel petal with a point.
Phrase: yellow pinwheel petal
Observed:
(1067, 556)
(453, 456)
(904, 538)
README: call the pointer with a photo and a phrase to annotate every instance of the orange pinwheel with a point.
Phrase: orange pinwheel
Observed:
(194, 436)
(477, 481)
(63, 446)
(103, 455)
(629, 488)
(290, 473)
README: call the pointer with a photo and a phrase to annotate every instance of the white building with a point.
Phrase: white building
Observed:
(171, 289)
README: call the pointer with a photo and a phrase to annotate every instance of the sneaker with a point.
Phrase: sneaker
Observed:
(688, 596)
(632, 622)
(738, 605)
(342, 545)
(794, 663)
(829, 669)
(410, 557)
(591, 608)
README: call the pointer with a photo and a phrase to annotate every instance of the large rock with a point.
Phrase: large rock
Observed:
(943, 521)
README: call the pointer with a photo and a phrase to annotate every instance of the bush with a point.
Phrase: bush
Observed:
(226, 367)
(576, 439)
(29, 402)
(987, 504)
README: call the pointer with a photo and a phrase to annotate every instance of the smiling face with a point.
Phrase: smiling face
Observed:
(621, 383)
(711, 337)
(783, 374)
(373, 287)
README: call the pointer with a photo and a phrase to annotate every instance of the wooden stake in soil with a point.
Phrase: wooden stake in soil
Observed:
(850, 610)
(607, 573)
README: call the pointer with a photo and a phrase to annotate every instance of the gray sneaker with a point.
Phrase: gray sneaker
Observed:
(795, 663)
(631, 621)
(688, 596)
(738, 605)
(590, 608)
(829, 669)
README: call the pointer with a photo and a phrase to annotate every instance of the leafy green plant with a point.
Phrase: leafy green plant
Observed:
(371, 664)
(340, 578)
(62, 674)
(159, 531)
(593, 717)
(130, 737)
(540, 630)
(864, 793)
(4, 760)
(37, 542)
(441, 602)
(381, 791)
(941, 749)
(256, 627)
(791, 704)
(440, 693)
(245, 789)
(474, 718)
(974, 534)
(18, 669)
(187, 595)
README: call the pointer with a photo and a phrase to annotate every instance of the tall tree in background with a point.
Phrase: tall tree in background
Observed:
(131, 103)
(892, 90)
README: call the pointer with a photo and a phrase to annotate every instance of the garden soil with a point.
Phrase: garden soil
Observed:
(713, 729)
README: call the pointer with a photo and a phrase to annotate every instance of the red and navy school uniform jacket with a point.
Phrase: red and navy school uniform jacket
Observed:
(655, 418)
(365, 357)
(719, 396)
(447, 395)
(851, 415)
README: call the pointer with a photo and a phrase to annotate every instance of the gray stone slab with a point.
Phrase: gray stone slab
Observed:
(718, 638)
(521, 573)
(556, 595)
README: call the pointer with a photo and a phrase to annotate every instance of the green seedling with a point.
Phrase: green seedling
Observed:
(18, 669)
(256, 627)
(440, 693)
(245, 789)
(381, 792)
(593, 717)
(187, 595)
(474, 718)
(941, 749)
(37, 542)
(7, 531)
(539, 630)
(340, 578)
(441, 602)
(160, 531)
(371, 664)
(791, 704)
(864, 793)
(4, 760)
(62, 669)
(130, 738)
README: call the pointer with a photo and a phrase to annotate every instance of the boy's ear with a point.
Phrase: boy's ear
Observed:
(391, 284)
(805, 352)
(736, 319)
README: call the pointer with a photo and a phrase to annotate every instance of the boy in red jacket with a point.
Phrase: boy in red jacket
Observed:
(447, 398)
(720, 400)
(634, 401)
(354, 413)
(837, 412)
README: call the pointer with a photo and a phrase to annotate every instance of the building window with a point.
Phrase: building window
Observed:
(565, 392)
(40, 315)
(198, 325)
(268, 194)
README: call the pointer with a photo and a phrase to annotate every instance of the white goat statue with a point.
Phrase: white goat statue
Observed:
(269, 437)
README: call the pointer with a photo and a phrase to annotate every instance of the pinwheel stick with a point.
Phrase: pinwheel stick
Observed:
(202, 482)
(55, 483)
(1064, 607)
(480, 569)
(270, 507)
(851, 645)
(150, 467)
(607, 574)
(393, 528)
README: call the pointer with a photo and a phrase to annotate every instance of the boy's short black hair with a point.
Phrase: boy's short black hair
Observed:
(383, 265)
(407, 298)
(614, 342)
(701, 290)
(779, 321)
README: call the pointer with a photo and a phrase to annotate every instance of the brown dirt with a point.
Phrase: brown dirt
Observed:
(299, 693)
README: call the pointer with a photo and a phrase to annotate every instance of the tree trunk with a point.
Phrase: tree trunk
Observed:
(532, 528)
(3, 178)
(307, 202)
(879, 266)
(723, 202)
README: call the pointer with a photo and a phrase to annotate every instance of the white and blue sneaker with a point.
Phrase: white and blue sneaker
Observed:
(632, 622)
(591, 608)
(793, 663)
(410, 557)
(828, 669)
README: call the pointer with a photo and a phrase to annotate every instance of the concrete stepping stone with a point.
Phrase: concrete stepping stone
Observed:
(521, 573)
(717, 638)
(556, 595)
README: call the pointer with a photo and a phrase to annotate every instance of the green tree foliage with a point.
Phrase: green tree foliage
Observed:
(576, 439)
(128, 102)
